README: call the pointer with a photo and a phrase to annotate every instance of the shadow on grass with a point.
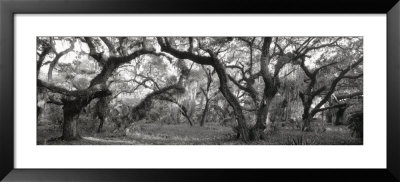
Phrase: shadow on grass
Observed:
(182, 134)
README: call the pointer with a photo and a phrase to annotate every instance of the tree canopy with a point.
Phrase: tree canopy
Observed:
(251, 81)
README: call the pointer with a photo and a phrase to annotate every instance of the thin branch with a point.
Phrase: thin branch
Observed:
(305, 69)
(46, 48)
(330, 107)
(348, 96)
(290, 72)
(332, 44)
(237, 83)
(324, 66)
(318, 91)
(353, 76)
(237, 67)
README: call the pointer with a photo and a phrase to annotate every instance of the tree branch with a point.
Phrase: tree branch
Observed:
(305, 69)
(264, 60)
(317, 92)
(139, 111)
(113, 63)
(182, 108)
(190, 44)
(348, 96)
(334, 83)
(53, 88)
(330, 107)
(74, 93)
(57, 58)
(109, 44)
(332, 44)
(237, 83)
(166, 47)
(237, 67)
(146, 78)
(46, 50)
(354, 76)
(290, 72)
(92, 51)
(324, 66)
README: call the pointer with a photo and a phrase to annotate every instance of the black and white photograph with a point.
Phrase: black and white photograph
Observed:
(135, 90)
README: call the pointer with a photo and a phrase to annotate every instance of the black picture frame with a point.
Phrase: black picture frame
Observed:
(9, 8)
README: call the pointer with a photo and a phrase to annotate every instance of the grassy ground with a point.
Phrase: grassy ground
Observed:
(182, 134)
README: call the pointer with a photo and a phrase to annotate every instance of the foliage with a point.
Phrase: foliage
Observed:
(355, 123)
(301, 140)
(182, 134)
(251, 84)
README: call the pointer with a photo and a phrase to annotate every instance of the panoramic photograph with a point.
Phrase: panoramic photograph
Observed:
(199, 90)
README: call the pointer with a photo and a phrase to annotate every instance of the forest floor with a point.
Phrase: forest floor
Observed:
(182, 134)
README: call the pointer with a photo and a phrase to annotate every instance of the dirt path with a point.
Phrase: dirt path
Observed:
(122, 142)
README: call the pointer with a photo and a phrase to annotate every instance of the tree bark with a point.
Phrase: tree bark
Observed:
(73, 102)
(339, 116)
(206, 95)
(306, 117)
(101, 124)
(203, 116)
(257, 132)
(101, 109)
(243, 130)
(270, 89)
(306, 123)
(70, 125)
(184, 113)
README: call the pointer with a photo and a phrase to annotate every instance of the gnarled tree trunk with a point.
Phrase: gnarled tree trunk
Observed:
(257, 131)
(70, 126)
(271, 82)
(306, 115)
(243, 130)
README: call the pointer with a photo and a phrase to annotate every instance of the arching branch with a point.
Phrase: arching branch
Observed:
(166, 47)
(113, 63)
(182, 108)
(57, 58)
(92, 51)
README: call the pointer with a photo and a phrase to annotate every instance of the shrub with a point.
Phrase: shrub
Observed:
(272, 127)
(54, 114)
(355, 124)
(301, 140)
